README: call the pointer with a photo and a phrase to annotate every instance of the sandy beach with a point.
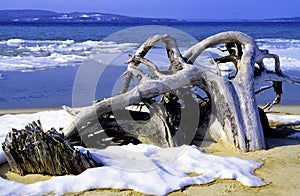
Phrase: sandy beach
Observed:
(280, 169)
(55, 54)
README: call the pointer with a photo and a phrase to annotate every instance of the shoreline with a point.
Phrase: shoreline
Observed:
(285, 109)
(282, 109)
(26, 110)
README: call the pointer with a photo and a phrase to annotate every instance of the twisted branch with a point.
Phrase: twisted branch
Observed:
(234, 100)
(172, 51)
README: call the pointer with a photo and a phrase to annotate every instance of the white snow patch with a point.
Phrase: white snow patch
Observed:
(284, 118)
(147, 169)
(49, 119)
(144, 168)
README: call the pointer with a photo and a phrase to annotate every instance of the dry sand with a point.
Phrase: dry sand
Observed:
(281, 169)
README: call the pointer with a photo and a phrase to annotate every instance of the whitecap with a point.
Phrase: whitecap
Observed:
(14, 41)
(68, 42)
(272, 43)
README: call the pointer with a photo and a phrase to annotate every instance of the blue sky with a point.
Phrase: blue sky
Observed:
(181, 9)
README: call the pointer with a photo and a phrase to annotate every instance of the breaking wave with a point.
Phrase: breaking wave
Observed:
(30, 55)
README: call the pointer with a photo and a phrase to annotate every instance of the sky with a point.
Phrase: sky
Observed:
(179, 9)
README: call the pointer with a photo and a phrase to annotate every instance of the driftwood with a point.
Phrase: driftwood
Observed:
(233, 117)
(169, 109)
(33, 151)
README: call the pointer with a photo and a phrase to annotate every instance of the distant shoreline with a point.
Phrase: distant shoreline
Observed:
(46, 16)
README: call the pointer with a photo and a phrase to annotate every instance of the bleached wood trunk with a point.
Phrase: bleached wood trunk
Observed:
(233, 101)
(235, 117)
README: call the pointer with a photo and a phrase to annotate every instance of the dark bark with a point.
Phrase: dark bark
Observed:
(33, 151)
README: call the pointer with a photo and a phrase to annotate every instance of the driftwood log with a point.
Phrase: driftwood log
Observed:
(169, 110)
(233, 117)
(33, 151)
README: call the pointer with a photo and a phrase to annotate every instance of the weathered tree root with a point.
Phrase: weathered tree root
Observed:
(33, 151)
(234, 112)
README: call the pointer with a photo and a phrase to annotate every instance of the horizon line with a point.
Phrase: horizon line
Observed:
(180, 19)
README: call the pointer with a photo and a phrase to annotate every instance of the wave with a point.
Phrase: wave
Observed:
(288, 51)
(14, 41)
(30, 55)
(273, 43)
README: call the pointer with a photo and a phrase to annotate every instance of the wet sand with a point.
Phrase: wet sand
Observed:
(285, 109)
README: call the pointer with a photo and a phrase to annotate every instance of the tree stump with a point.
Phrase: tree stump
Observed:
(33, 151)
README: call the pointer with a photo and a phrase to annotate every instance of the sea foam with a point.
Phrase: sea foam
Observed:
(23, 55)
(30, 55)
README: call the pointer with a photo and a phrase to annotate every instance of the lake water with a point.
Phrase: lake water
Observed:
(40, 64)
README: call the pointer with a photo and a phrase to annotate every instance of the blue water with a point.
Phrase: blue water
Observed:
(39, 62)
(200, 30)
